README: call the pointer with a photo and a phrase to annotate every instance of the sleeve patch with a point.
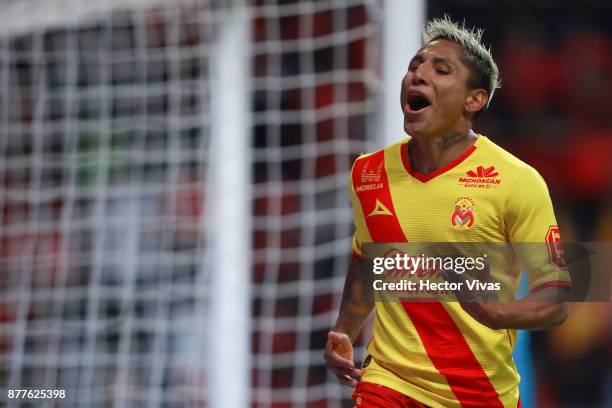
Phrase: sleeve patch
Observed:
(556, 257)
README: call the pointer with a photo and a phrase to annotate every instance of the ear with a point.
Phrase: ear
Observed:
(476, 101)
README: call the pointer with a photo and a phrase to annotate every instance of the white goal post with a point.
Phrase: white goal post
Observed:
(230, 238)
(403, 23)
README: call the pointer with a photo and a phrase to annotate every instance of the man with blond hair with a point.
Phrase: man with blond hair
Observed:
(446, 183)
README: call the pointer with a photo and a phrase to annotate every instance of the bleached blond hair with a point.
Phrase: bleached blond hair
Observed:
(477, 57)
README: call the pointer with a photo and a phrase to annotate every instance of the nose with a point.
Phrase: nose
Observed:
(419, 75)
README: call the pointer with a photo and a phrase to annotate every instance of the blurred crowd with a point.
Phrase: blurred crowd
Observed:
(553, 113)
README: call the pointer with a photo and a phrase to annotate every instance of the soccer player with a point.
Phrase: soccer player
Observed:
(446, 183)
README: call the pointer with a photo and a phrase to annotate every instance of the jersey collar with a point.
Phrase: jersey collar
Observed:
(424, 178)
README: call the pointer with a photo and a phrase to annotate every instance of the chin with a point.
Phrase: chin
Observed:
(414, 129)
(417, 127)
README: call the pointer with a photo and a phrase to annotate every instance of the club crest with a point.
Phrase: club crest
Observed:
(463, 217)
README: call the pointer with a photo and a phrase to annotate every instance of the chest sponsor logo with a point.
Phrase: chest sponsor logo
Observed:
(379, 209)
(463, 217)
(370, 178)
(481, 177)
(556, 256)
(368, 187)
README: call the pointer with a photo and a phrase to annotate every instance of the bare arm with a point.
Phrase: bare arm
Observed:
(354, 309)
(539, 310)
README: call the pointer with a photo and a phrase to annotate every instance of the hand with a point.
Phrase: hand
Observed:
(339, 358)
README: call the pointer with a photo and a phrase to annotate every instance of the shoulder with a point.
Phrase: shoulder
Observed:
(380, 153)
(513, 168)
(369, 167)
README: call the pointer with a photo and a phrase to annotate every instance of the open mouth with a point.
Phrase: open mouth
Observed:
(417, 101)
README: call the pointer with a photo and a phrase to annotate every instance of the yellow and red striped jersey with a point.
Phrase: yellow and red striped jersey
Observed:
(436, 352)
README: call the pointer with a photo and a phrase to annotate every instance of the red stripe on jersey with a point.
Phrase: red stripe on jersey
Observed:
(372, 188)
(370, 395)
(443, 341)
(451, 354)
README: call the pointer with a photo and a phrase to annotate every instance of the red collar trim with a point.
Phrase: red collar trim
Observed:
(424, 178)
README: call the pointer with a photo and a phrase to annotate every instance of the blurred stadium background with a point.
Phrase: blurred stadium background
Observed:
(110, 138)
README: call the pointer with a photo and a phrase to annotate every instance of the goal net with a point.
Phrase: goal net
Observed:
(105, 146)
(103, 258)
(315, 90)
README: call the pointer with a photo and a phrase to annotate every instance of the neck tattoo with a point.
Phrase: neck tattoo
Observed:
(451, 139)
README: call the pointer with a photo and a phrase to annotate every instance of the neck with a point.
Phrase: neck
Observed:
(427, 155)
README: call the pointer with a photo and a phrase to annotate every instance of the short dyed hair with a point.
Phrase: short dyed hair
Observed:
(477, 57)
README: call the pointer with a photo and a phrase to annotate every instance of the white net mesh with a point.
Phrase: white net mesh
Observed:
(104, 137)
(103, 146)
(315, 82)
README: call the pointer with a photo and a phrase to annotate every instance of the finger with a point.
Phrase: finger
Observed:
(336, 356)
(341, 342)
(347, 381)
(338, 338)
(338, 369)
(344, 380)
(332, 355)
(353, 373)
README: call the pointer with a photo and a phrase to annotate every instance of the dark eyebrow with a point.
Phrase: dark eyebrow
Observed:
(417, 57)
(440, 60)
(435, 60)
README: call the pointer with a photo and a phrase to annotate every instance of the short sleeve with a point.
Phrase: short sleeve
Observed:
(532, 228)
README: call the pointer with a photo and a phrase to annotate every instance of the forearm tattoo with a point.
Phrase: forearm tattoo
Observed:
(356, 305)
